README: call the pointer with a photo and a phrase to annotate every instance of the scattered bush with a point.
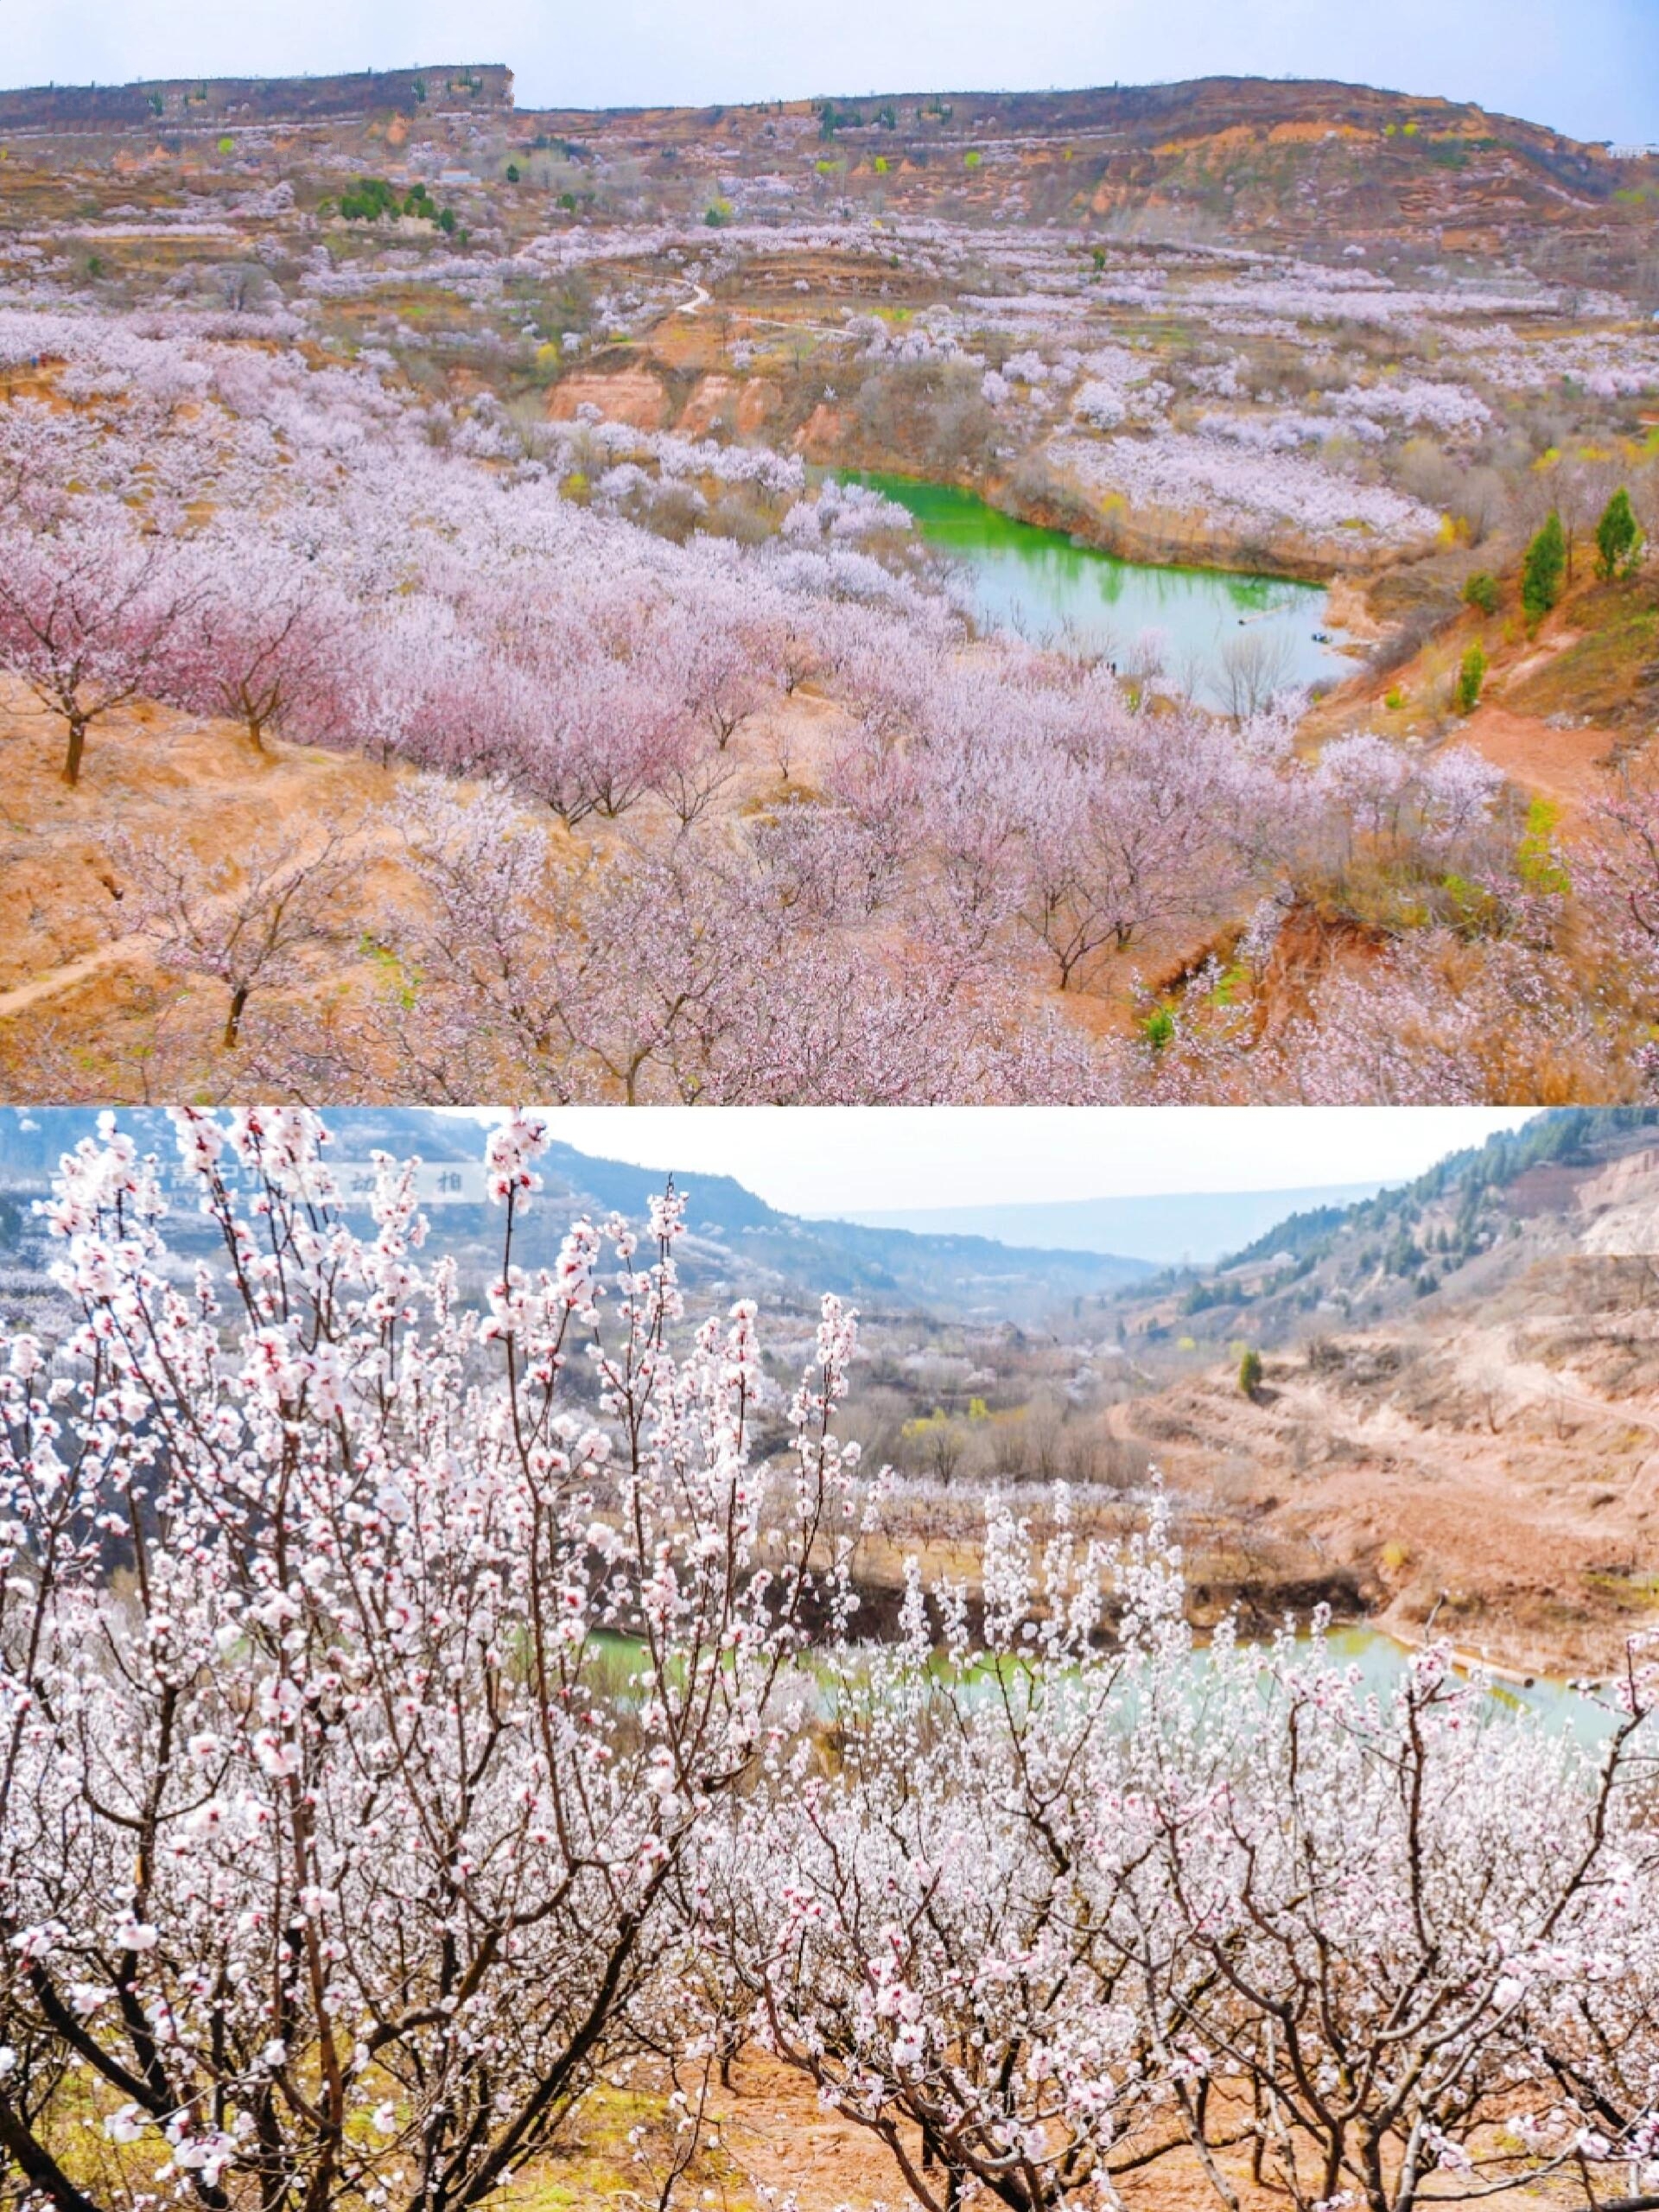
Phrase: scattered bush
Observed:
(369, 199)
(1470, 676)
(1537, 860)
(1619, 539)
(1544, 570)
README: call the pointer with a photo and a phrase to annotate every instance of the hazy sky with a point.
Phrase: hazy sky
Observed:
(1588, 67)
(868, 1159)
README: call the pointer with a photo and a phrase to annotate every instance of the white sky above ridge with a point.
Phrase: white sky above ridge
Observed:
(850, 1160)
(1586, 66)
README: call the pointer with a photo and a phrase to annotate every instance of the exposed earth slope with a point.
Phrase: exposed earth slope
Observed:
(1483, 1448)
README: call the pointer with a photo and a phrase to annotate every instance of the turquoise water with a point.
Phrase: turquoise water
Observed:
(1381, 1661)
(1048, 589)
(1379, 1658)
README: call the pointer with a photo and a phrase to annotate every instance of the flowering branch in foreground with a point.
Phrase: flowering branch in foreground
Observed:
(408, 1708)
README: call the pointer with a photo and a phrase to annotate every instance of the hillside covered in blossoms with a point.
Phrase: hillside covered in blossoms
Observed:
(466, 622)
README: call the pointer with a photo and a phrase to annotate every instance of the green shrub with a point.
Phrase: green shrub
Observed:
(1250, 1373)
(368, 200)
(1538, 862)
(1545, 568)
(513, 172)
(1473, 910)
(1481, 592)
(1470, 676)
(1619, 539)
(371, 197)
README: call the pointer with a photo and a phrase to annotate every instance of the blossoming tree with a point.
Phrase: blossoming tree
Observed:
(330, 1872)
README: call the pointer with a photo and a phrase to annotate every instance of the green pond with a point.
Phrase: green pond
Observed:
(1049, 588)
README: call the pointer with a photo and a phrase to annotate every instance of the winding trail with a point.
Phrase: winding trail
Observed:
(1569, 767)
(79, 970)
(702, 297)
(369, 844)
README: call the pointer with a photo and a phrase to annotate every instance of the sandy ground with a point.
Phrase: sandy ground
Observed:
(780, 2138)
(1567, 767)
(1494, 1474)
(68, 956)
(150, 774)
(68, 959)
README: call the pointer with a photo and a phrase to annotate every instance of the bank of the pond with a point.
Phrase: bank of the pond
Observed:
(1049, 586)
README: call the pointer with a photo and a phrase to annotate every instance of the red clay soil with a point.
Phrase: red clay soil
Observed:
(1567, 767)
(779, 2136)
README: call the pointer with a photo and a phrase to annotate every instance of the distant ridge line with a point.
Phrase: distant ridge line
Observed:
(168, 102)
(1164, 1229)
(300, 97)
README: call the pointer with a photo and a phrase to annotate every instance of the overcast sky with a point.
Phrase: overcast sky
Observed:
(1588, 67)
(869, 1158)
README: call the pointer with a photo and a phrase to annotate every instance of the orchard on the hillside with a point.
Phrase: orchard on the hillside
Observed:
(411, 1708)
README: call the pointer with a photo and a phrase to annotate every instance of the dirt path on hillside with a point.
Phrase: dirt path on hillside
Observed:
(80, 970)
(1567, 767)
(1555, 1390)
(369, 845)
(71, 960)
(1478, 1471)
